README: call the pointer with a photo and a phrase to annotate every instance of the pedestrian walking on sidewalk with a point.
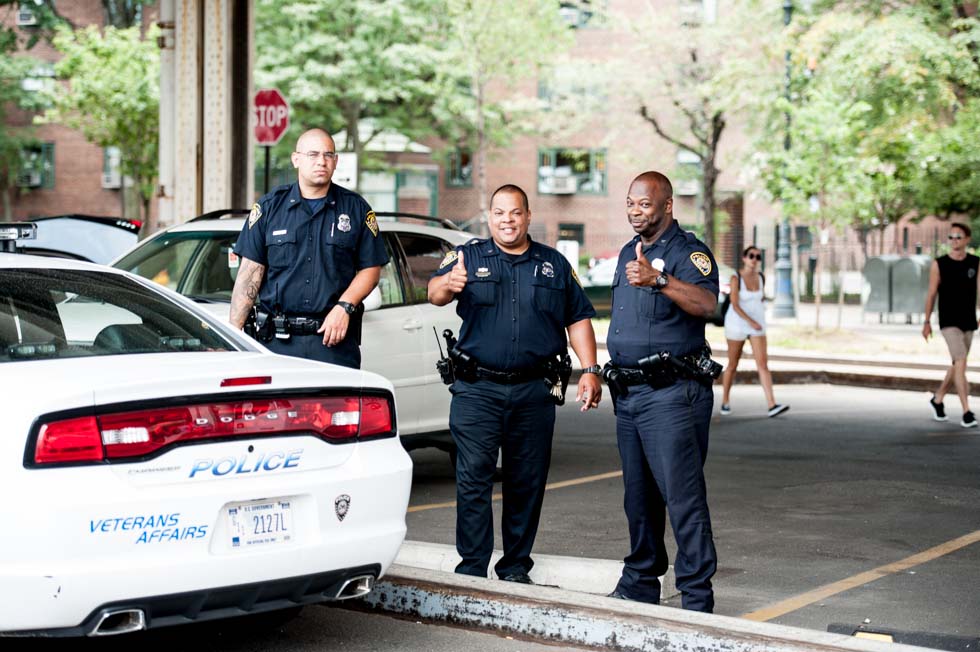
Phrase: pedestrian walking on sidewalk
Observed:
(660, 377)
(955, 279)
(745, 319)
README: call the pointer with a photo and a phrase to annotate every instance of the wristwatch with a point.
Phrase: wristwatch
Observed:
(661, 281)
(347, 306)
(594, 369)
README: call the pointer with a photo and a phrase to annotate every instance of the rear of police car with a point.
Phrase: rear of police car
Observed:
(157, 468)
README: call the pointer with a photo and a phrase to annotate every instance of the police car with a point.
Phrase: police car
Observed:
(159, 468)
(402, 332)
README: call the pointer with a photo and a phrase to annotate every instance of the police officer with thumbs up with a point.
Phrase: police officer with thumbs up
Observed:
(517, 299)
(664, 288)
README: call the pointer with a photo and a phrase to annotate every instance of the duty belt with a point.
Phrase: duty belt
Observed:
(509, 377)
(304, 325)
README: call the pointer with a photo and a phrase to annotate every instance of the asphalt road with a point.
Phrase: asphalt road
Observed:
(317, 628)
(849, 481)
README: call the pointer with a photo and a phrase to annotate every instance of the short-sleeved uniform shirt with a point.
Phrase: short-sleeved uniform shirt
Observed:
(310, 257)
(644, 321)
(515, 309)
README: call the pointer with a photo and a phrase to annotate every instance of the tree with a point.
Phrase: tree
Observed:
(120, 109)
(490, 48)
(340, 63)
(124, 13)
(14, 139)
(698, 72)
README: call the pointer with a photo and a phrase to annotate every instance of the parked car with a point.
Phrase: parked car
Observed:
(160, 468)
(402, 332)
(91, 238)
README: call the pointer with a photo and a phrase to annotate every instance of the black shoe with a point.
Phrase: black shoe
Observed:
(777, 409)
(969, 421)
(520, 578)
(617, 595)
(939, 411)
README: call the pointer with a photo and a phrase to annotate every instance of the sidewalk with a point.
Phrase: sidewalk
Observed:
(864, 352)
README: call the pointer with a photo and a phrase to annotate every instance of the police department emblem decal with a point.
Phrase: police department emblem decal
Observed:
(702, 262)
(449, 259)
(548, 270)
(372, 223)
(341, 505)
(254, 216)
(343, 222)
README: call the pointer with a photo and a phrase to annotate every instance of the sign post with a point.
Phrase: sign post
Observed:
(271, 122)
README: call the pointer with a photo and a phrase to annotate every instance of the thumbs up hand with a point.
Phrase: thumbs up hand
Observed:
(640, 272)
(457, 276)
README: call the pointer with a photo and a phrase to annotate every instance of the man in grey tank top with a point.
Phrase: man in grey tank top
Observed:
(955, 279)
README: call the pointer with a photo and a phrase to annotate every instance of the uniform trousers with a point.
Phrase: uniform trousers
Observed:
(519, 420)
(346, 354)
(663, 442)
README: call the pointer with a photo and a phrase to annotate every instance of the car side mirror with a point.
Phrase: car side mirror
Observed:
(373, 300)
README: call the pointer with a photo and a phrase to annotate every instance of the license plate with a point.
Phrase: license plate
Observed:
(261, 524)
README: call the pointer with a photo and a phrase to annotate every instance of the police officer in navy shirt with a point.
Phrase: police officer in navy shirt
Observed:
(310, 252)
(664, 288)
(517, 299)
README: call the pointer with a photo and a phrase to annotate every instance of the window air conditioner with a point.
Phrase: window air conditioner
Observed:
(686, 187)
(564, 185)
(29, 180)
(26, 17)
(111, 180)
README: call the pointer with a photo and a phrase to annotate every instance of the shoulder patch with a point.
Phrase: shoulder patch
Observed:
(575, 276)
(372, 223)
(254, 216)
(702, 262)
(450, 258)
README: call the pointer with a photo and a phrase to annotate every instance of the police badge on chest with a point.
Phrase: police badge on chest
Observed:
(343, 223)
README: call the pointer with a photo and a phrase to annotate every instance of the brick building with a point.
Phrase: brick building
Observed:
(65, 173)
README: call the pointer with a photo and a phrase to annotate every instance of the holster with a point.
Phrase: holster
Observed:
(262, 326)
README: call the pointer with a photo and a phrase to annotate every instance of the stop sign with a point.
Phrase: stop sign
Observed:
(271, 116)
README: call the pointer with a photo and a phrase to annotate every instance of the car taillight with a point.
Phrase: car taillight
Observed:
(139, 433)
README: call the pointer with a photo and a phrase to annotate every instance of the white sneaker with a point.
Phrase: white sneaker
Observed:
(726, 408)
(777, 409)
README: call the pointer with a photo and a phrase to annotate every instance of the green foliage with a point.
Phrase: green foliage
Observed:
(120, 108)
(13, 138)
(876, 115)
(46, 19)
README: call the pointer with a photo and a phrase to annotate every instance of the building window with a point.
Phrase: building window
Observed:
(575, 84)
(571, 231)
(40, 78)
(37, 166)
(582, 13)
(568, 171)
(111, 173)
(459, 172)
(687, 175)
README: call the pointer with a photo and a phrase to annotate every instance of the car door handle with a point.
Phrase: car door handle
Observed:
(412, 325)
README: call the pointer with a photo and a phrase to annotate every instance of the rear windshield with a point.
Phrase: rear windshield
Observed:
(48, 313)
(199, 264)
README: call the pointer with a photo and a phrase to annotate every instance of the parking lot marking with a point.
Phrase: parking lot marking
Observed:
(548, 487)
(808, 598)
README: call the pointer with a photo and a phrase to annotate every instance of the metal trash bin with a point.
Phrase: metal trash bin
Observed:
(910, 283)
(878, 283)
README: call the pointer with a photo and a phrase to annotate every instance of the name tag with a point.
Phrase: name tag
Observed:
(280, 232)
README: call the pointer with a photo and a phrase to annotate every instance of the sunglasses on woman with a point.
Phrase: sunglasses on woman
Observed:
(754, 256)
(954, 236)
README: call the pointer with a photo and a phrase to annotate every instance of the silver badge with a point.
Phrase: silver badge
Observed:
(548, 270)
(341, 505)
(343, 222)
(482, 272)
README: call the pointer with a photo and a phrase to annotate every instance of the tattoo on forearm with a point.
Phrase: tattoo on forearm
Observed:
(246, 291)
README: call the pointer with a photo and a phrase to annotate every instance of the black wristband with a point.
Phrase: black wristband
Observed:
(348, 307)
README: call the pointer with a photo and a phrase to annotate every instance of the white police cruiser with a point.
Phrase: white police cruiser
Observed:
(158, 468)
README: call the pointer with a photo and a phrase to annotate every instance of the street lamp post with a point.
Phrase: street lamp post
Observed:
(784, 305)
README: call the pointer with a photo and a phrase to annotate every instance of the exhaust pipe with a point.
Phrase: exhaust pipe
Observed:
(119, 621)
(356, 587)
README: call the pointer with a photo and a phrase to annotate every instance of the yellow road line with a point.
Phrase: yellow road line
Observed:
(548, 487)
(808, 598)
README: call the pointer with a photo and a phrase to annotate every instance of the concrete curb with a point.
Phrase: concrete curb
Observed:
(563, 616)
(595, 576)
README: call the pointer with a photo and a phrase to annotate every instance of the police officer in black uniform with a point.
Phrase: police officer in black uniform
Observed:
(310, 252)
(665, 286)
(517, 298)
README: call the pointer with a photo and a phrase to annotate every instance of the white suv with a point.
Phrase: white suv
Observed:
(400, 328)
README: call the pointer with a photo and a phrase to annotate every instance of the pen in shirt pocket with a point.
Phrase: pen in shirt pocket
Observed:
(332, 224)
(535, 270)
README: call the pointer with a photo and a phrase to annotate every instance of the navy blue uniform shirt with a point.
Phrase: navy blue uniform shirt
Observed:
(310, 258)
(515, 312)
(644, 321)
